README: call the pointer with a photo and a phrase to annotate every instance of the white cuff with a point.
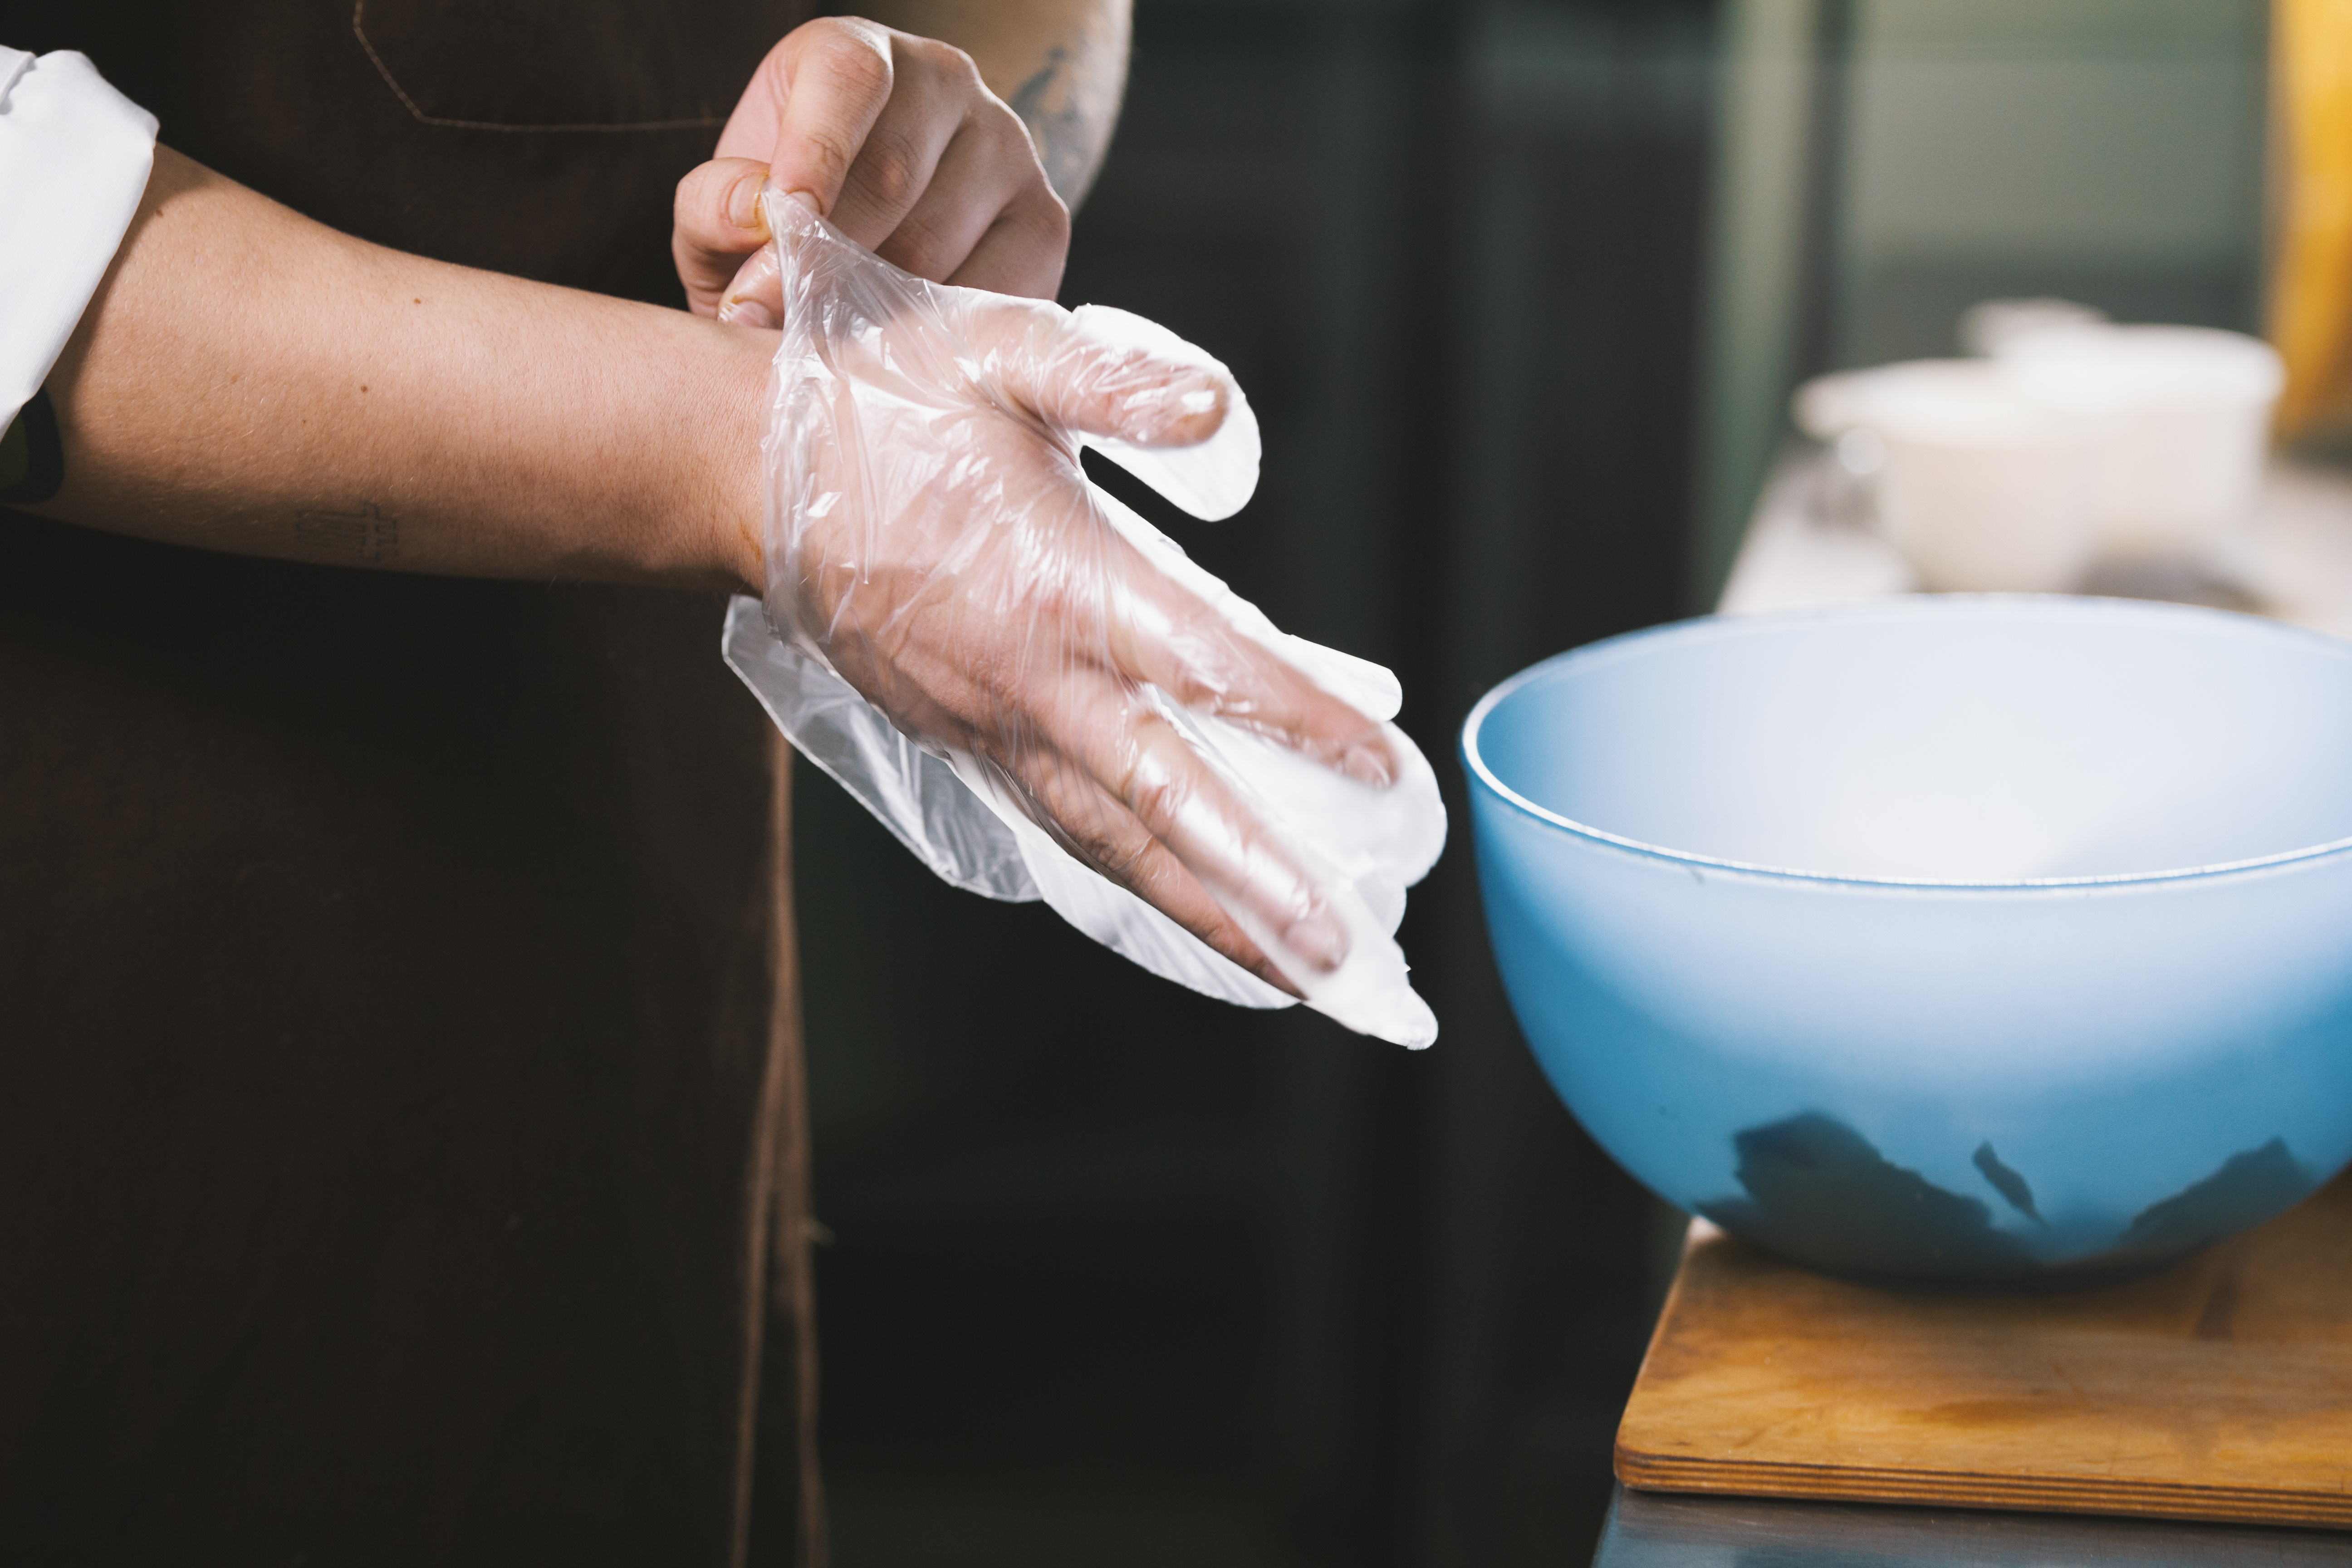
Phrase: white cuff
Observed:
(74, 160)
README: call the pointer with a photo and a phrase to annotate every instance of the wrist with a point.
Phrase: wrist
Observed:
(714, 493)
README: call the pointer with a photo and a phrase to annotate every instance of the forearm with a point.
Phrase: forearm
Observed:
(1061, 64)
(250, 381)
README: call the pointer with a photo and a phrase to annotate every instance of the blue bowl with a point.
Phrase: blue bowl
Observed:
(1985, 941)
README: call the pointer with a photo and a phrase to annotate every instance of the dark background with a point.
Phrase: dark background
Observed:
(1121, 1275)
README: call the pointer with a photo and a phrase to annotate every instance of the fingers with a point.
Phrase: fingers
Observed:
(1118, 784)
(1107, 835)
(988, 189)
(832, 79)
(1208, 667)
(899, 143)
(904, 157)
(1023, 248)
(1140, 761)
(716, 223)
(1162, 634)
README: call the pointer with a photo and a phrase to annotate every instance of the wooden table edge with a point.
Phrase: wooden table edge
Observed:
(2057, 1494)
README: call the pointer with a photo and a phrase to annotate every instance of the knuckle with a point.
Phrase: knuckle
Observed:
(1116, 852)
(1157, 801)
(889, 170)
(1145, 785)
(914, 246)
(1007, 137)
(997, 121)
(1039, 230)
(855, 58)
(831, 151)
(1041, 216)
(955, 66)
(936, 54)
(1193, 689)
(1051, 601)
(1052, 221)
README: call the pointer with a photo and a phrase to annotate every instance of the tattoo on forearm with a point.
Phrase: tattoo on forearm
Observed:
(370, 535)
(1069, 139)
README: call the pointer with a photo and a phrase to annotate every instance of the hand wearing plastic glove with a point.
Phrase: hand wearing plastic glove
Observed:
(933, 542)
(896, 140)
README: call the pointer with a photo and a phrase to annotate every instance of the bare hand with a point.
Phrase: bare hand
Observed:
(893, 138)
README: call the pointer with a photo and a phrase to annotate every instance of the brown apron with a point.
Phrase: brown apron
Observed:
(398, 1048)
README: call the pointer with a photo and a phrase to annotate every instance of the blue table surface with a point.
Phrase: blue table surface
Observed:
(1653, 1530)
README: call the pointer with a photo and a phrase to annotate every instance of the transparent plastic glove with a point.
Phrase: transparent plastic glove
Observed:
(1033, 688)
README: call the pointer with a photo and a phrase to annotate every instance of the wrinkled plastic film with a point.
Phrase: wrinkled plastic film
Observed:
(1031, 687)
(914, 795)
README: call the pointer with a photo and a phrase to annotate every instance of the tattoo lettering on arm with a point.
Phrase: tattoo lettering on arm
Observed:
(1049, 104)
(1060, 64)
(1068, 90)
(370, 536)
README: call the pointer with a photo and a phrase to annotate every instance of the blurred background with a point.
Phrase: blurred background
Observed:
(1519, 290)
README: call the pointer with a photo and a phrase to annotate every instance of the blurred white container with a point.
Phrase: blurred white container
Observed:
(1989, 323)
(2184, 420)
(1985, 488)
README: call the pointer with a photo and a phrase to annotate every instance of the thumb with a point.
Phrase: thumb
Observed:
(1160, 408)
(1090, 374)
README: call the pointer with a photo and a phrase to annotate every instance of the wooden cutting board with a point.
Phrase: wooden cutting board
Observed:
(2220, 1389)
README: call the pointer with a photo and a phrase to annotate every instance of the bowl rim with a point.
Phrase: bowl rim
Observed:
(2054, 606)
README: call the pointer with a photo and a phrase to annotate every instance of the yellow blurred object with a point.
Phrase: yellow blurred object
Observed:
(2311, 296)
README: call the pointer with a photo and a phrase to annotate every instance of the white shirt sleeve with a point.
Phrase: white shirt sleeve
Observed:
(74, 160)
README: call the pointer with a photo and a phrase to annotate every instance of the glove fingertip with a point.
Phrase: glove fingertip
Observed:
(1211, 479)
